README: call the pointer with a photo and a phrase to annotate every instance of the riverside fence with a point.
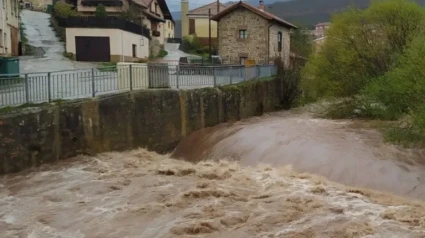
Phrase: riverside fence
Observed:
(82, 83)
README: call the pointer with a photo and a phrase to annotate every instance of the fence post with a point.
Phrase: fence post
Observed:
(215, 76)
(177, 75)
(231, 74)
(92, 83)
(49, 90)
(258, 70)
(131, 77)
(27, 90)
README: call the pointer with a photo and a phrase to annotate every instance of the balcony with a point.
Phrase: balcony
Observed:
(156, 33)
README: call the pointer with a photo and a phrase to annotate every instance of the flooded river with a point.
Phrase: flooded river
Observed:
(234, 193)
(342, 151)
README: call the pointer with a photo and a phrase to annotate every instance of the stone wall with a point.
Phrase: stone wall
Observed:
(254, 47)
(154, 119)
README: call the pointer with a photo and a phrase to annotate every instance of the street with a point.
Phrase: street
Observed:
(50, 50)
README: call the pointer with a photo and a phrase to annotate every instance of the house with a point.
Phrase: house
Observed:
(196, 21)
(248, 32)
(105, 39)
(152, 14)
(320, 29)
(9, 28)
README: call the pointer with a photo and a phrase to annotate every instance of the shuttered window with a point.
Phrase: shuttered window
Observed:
(191, 26)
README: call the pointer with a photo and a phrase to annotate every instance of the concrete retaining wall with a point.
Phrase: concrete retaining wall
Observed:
(155, 119)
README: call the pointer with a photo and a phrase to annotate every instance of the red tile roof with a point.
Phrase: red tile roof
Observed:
(256, 10)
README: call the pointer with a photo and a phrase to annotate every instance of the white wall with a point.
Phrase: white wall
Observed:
(120, 41)
(9, 18)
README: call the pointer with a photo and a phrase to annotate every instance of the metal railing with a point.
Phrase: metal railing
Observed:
(83, 83)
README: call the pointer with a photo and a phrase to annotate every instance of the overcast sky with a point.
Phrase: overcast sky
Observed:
(174, 5)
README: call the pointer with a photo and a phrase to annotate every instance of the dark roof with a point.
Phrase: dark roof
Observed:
(152, 16)
(106, 3)
(162, 4)
(255, 10)
(203, 10)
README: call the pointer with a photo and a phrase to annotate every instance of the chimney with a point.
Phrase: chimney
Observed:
(184, 17)
(261, 6)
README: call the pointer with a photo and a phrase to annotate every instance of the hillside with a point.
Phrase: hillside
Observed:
(311, 12)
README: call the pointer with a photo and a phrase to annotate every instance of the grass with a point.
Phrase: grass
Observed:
(107, 67)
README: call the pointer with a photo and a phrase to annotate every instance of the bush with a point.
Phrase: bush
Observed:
(191, 44)
(162, 53)
(64, 10)
(101, 11)
(361, 46)
(290, 77)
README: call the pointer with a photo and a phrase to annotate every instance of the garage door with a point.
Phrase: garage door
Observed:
(92, 49)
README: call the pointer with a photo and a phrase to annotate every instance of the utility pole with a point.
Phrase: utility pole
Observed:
(209, 31)
(218, 10)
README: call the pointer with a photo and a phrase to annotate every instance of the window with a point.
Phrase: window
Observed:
(156, 7)
(191, 26)
(1, 38)
(279, 41)
(242, 60)
(169, 25)
(134, 51)
(5, 42)
(243, 34)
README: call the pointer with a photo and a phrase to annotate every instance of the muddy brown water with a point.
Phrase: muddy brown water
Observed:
(140, 194)
(342, 151)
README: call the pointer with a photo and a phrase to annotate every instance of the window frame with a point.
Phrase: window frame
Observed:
(279, 41)
(243, 34)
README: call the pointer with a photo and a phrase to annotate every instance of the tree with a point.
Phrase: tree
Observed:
(64, 10)
(101, 11)
(362, 45)
(301, 42)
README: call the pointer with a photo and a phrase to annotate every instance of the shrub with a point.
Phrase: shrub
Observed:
(101, 11)
(162, 53)
(64, 10)
(362, 45)
(290, 78)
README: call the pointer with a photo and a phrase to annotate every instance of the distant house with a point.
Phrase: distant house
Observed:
(248, 32)
(196, 21)
(320, 29)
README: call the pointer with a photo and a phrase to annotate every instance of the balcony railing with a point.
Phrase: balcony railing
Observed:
(102, 22)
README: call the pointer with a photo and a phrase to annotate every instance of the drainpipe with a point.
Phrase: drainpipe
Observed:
(2, 22)
(268, 42)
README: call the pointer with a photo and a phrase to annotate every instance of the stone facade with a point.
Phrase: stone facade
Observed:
(231, 48)
(261, 44)
(286, 43)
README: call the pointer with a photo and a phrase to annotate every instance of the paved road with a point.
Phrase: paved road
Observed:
(40, 35)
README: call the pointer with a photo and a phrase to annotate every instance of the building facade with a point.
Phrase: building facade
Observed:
(250, 33)
(152, 14)
(320, 29)
(9, 28)
(120, 45)
(196, 21)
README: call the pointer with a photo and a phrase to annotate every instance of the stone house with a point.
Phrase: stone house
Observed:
(248, 32)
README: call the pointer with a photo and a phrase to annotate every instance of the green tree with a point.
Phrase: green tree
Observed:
(362, 45)
(64, 10)
(101, 11)
(301, 43)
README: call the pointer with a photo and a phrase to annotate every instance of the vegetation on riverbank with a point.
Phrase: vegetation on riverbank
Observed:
(374, 59)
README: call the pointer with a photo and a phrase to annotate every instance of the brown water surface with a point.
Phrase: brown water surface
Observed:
(342, 151)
